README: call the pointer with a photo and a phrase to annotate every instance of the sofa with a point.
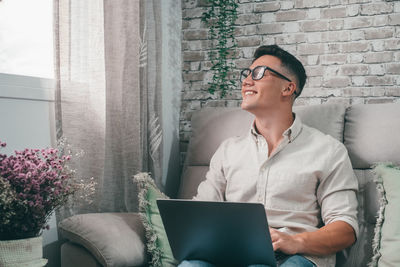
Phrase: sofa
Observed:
(369, 132)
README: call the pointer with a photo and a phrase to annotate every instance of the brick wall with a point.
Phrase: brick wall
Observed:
(350, 49)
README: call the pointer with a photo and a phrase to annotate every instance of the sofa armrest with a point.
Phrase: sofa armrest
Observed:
(114, 239)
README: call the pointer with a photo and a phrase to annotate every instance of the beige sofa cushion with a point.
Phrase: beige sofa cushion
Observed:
(114, 239)
(371, 134)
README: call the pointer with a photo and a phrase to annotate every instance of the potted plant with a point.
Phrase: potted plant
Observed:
(33, 183)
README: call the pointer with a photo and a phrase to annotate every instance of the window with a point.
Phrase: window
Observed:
(26, 38)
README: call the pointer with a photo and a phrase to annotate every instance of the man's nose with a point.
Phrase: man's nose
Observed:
(248, 80)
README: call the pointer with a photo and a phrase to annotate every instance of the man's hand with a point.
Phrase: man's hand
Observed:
(327, 240)
(288, 244)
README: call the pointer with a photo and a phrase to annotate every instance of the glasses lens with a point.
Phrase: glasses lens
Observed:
(258, 73)
(244, 74)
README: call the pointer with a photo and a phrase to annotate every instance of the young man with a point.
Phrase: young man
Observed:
(303, 177)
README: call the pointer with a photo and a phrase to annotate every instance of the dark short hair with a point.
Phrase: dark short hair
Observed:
(290, 62)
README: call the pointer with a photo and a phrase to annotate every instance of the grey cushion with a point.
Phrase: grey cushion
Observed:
(328, 118)
(210, 127)
(371, 134)
(115, 239)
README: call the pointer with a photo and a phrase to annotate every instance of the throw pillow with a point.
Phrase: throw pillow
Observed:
(386, 243)
(157, 242)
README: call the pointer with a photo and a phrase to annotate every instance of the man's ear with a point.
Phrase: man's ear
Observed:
(289, 90)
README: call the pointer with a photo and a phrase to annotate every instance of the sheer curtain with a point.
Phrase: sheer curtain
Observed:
(108, 95)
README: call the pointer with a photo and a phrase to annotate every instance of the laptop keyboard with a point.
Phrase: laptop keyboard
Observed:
(280, 256)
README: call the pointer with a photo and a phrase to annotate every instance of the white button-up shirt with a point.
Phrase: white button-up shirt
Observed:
(308, 181)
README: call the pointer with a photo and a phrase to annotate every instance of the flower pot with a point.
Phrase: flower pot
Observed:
(22, 253)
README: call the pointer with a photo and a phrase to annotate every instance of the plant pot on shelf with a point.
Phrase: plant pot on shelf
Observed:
(22, 253)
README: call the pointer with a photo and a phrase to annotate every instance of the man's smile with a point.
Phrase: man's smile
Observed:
(249, 92)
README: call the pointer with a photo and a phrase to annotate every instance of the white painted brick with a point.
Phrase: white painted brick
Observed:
(392, 44)
(310, 3)
(353, 91)
(336, 36)
(394, 19)
(381, 20)
(396, 56)
(314, 13)
(353, 10)
(268, 17)
(247, 52)
(333, 59)
(358, 80)
(336, 100)
(244, 9)
(354, 47)
(335, 2)
(290, 15)
(357, 22)
(397, 33)
(378, 33)
(285, 5)
(291, 38)
(332, 70)
(195, 105)
(314, 70)
(333, 13)
(246, 30)
(314, 82)
(336, 24)
(246, 19)
(393, 68)
(396, 7)
(311, 49)
(267, 7)
(378, 46)
(270, 28)
(306, 101)
(356, 35)
(248, 41)
(314, 37)
(376, 8)
(357, 100)
(376, 69)
(334, 48)
(379, 80)
(378, 57)
(353, 70)
(194, 65)
(313, 60)
(393, 91)
(356, 58)
(291, 27)
(268, 40)
(312, 26)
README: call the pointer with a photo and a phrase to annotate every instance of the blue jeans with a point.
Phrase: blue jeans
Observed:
(291, 261)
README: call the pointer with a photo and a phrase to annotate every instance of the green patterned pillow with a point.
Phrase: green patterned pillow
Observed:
(157, 242)
(386, 243)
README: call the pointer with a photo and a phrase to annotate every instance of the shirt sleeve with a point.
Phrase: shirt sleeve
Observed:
(337, 190)
(213, 187)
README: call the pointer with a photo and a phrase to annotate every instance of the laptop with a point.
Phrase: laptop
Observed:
(222, 233)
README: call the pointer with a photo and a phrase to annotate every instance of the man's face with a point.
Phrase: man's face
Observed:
(264, 94)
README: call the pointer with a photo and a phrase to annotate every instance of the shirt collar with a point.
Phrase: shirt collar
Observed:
(291, 133)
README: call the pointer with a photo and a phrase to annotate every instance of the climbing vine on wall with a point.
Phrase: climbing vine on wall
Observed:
(220, 18)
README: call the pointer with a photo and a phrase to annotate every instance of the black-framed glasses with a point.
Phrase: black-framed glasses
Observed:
(258, 72)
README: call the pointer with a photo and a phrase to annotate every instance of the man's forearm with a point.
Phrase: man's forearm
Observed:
(329, 239)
